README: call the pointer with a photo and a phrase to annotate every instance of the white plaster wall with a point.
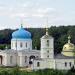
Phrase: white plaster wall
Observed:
(53, 64)
(4, 60)
(45, 48)
(60, 63)
(22, 61)
(19, 58)
(44, 43)
(23, 41)
(44, 64)
(8, 63)
(28, 54)
(4, 56)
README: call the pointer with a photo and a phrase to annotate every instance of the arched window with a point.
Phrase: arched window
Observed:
(70, 64)
(48, 56)
(37, 56)
(47, 42)
(32, 57)
(21, 44)
(48, 51)
(26, 44)
(38, 64)
(25, 59)
(11, 57)
(65, 64)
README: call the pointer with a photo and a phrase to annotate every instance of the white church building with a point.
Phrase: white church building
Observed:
(22, 54)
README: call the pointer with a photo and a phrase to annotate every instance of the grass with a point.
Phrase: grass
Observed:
(24, 71)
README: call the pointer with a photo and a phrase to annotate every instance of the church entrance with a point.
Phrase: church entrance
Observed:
(31, 58)
(1, 58)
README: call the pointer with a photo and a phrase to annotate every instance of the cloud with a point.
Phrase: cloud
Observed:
(14, 15)
(38, 13)
(26, 4)
(26, 9)
(45, 10)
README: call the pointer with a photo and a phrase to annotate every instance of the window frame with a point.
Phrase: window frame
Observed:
(25, 58)
(26, 44)
(21, 44)
(48, 43)
(11, 61)
(38, 64)
(65, 64)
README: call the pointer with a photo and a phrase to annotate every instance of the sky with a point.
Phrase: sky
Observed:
(36, 13)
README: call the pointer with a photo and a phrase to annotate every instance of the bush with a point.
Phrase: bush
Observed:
(17, 71)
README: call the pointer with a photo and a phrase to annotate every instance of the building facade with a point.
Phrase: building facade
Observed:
(22, 54)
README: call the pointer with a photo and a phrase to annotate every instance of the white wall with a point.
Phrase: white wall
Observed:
(22, 56)
(8, 62)
(45, 48)
(44, 64)
(23, 41)
(53, 64)
(60, 63)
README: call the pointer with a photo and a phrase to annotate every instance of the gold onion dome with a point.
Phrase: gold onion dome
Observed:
(68, 48)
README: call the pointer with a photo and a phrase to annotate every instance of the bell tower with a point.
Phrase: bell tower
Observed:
(47, 46)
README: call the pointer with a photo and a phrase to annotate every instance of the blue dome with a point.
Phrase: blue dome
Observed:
(21, 34)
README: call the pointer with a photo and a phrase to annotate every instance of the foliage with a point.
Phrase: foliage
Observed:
(60, 35)
(17, 71)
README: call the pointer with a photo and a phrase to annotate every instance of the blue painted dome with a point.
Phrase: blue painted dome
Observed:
(21, 34)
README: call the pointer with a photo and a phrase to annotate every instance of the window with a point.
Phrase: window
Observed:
(70, 64)
(26, 45)
(25, 59)
(21, 44)
(48, 51)
(37, 56)
(65, 64)
(48, 56)
(38, 64)
(11, 59)
(47, 42)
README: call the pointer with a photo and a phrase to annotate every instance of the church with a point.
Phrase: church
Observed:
(22, 54)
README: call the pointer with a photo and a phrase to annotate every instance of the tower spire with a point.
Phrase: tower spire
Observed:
(69, 39)
(47, 27)
(21, 25)
(46, 31)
